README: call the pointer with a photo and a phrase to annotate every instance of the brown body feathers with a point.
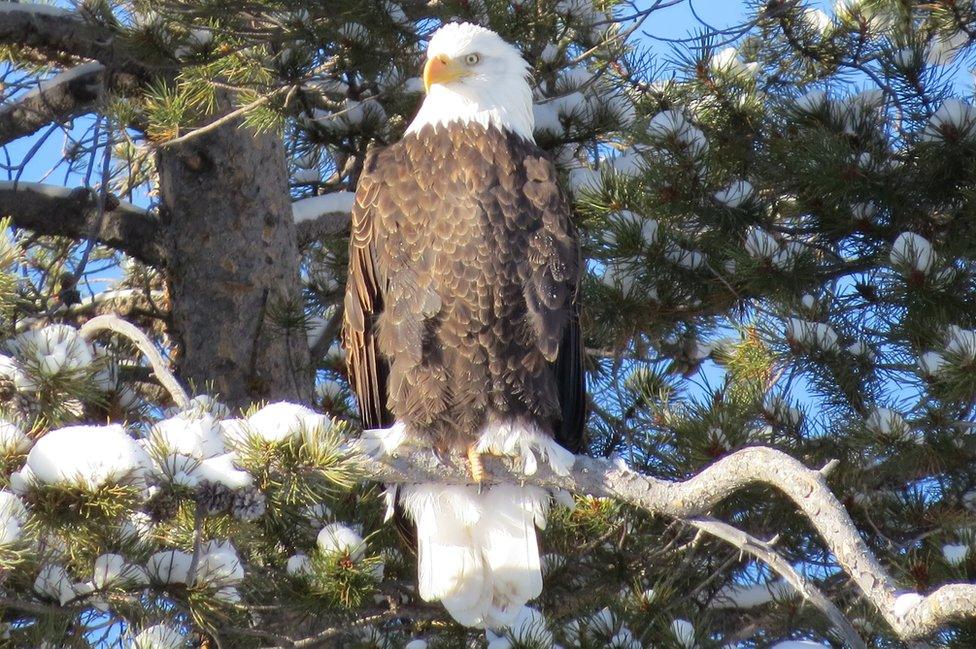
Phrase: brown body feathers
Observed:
(462, 298)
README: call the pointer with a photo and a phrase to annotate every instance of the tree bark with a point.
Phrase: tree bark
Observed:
(234, 266)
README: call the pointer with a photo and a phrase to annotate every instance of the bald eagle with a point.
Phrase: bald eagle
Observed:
(462, 318)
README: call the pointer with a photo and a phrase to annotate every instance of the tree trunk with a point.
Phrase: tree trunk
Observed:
(234, 266)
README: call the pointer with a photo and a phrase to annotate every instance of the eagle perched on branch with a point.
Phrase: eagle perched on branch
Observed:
(462, 318)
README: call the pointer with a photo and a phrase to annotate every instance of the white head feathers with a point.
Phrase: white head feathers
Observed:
(472, 75)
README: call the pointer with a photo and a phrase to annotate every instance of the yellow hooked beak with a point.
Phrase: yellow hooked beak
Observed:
(441, 69)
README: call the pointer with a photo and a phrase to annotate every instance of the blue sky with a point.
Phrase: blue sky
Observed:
(679, 20)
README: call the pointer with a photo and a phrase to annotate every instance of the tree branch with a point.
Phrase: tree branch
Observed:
(694, 497)
(113, 323)
(74, 92)
(59, 211)
(330, 224)
(765, 553)
(53, 31)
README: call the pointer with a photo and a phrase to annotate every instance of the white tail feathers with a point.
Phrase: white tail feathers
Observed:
(477, 550)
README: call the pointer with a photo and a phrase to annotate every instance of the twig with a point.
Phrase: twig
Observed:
(33, 607)
(765, 553)
(101, 198)
(110, 322)
(191, 572)
(226, 119)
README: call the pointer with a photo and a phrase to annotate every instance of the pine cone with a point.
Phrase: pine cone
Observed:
(249, 504)
(23, 407)
(7, 389)
(214, 498)
(163, 505)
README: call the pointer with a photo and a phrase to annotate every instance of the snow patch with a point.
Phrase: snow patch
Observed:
(13, 441)
(741, 596)
(194, 436)
(812, 334)
(380, 442)
(84, 456)
(298, 564)
(283, 421)
(113, 569)
(913, 252)
(52, 350)
(955, 119)
(159, 636)
(219, 565)
(530, 628)
(737, 193)
(684, 633)
(54, 582)
(337, 538)
(905, 603)
(169, 567)
(955, 553)
(727, 61)
(309, 209)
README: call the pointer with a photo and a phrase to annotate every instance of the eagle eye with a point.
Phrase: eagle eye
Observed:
(472, 59)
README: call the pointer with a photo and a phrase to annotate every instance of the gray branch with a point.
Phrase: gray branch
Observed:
(694, 497)
(324, 226)
(115, 324)
(764, 551)
(75, 92)
(63, 38)
(59, 211)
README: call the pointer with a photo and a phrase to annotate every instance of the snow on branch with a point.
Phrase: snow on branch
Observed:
(322, 216)
(59, 211)
(910, 615)
(54, 31)
(74, 92)
(308, 209)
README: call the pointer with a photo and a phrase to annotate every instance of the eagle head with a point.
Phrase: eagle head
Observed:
(462, 54)
(473, 75)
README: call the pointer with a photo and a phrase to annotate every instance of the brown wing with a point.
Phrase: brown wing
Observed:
(570, 379)
(552, 295)
(365, 288)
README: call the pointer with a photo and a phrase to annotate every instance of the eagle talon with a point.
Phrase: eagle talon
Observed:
(477, 468)
(443, 457)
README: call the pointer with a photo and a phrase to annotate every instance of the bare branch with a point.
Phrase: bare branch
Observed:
(109, 322)
(694, 497)
(768, 555)
(72, 93)
(59, 211)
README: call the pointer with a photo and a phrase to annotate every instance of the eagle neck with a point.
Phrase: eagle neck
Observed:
(503, 106)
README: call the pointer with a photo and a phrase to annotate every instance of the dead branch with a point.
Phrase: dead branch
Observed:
(696, 496)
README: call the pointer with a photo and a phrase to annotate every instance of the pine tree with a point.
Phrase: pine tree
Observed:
(779, 318)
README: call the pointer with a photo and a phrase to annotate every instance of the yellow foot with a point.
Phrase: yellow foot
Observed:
(477, 470)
